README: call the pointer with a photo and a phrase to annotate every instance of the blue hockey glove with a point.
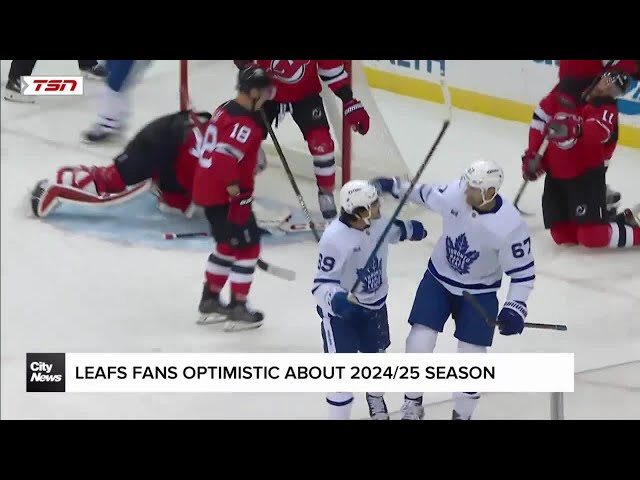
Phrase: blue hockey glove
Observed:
(418, 231)
(389, 185)
(511, 318)
(341, 305)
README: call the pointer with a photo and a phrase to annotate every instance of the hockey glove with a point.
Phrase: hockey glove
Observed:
(240, 208)
(418, 232)
(531, 166)
(356, 116)
(564, 128)
(342, 307)
(390, 185)
(511, 318)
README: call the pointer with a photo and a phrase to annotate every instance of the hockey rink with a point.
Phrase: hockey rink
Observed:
(65, 289)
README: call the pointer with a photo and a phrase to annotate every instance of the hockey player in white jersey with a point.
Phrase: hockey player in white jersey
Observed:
(114, 110)
(345, 248)
(483, 238)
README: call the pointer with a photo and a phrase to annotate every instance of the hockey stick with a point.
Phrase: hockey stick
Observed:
(445, 126)
(492, 321)
(292, 180)
(414, 181)
(535, 162)
(533, 166)
(274, 270)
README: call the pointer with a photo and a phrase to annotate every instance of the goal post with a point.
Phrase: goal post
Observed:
(208, 83)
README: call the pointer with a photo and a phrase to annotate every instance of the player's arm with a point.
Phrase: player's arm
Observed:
(516, 260)
(533, 169)
(326, 283)
(403, 230)
(430, 196)
(599, 124)
(334, 74)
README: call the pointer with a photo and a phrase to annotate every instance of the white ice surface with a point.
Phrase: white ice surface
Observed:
(64, 292)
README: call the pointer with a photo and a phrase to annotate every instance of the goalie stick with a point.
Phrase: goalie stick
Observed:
(493, 322)
(445, 126)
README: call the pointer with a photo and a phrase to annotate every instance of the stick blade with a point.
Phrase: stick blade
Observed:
(280, 272)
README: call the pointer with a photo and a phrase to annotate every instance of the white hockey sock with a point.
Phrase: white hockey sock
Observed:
(340, 405)
(114, 108)
(465, 403)
(421, 339)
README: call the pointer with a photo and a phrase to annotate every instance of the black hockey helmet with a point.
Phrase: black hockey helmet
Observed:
(252, 76)
(620, 79)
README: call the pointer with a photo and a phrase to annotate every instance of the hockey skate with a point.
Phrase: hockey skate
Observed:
(96, 72)
(613, 202)
(632, 216)
(377, 408)
(412, 410)
(327, 205)
(100, 133)
(12, 92)
(242, 318)
(211, 308)
(456, 416)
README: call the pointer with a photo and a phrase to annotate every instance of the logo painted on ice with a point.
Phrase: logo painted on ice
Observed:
(371, 276)
(458, 254)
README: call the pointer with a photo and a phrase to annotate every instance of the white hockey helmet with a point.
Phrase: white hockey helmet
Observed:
(357, 194)
(483, 175)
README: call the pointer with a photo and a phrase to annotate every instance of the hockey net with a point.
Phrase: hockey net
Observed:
(208, 83)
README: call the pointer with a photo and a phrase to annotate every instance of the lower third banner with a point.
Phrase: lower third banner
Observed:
(305, 372)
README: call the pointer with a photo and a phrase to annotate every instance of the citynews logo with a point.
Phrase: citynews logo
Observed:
(45, 372)
(48, 85)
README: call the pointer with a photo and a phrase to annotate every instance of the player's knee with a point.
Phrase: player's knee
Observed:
(594, 236)
(465, 347)
(564, 233)
(320, 143)
(421, 339)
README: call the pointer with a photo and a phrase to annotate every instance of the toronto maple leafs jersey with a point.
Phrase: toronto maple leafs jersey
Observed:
(476, 249)
(343, 256)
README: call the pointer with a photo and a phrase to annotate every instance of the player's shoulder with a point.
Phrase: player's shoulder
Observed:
(338, 235)
(231, 112)
(504, 219)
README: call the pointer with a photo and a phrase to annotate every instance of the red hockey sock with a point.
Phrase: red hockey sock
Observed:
(219, 267)
(243, 270)
(565, 233)
(107, 179)
(613, 235)
(322, 149)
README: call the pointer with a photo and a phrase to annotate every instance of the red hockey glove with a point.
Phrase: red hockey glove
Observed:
(564, 128)
(531, 166)
(240, 208)
(356, 116)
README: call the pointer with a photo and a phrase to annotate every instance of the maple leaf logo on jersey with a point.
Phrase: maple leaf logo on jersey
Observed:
(289, 71)
(371, 276)
(458, 254)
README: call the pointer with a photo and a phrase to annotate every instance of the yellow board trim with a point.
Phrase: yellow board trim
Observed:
(472, 101)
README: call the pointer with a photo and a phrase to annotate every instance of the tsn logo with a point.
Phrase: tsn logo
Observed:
(41, 372)
(51, 86)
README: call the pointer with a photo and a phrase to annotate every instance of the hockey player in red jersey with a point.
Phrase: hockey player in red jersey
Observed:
(162, 155)
(297, 91)
(592, 69)
(583, 134)
(223, 185)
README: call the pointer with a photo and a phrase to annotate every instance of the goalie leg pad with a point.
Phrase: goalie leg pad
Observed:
(46, 196)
